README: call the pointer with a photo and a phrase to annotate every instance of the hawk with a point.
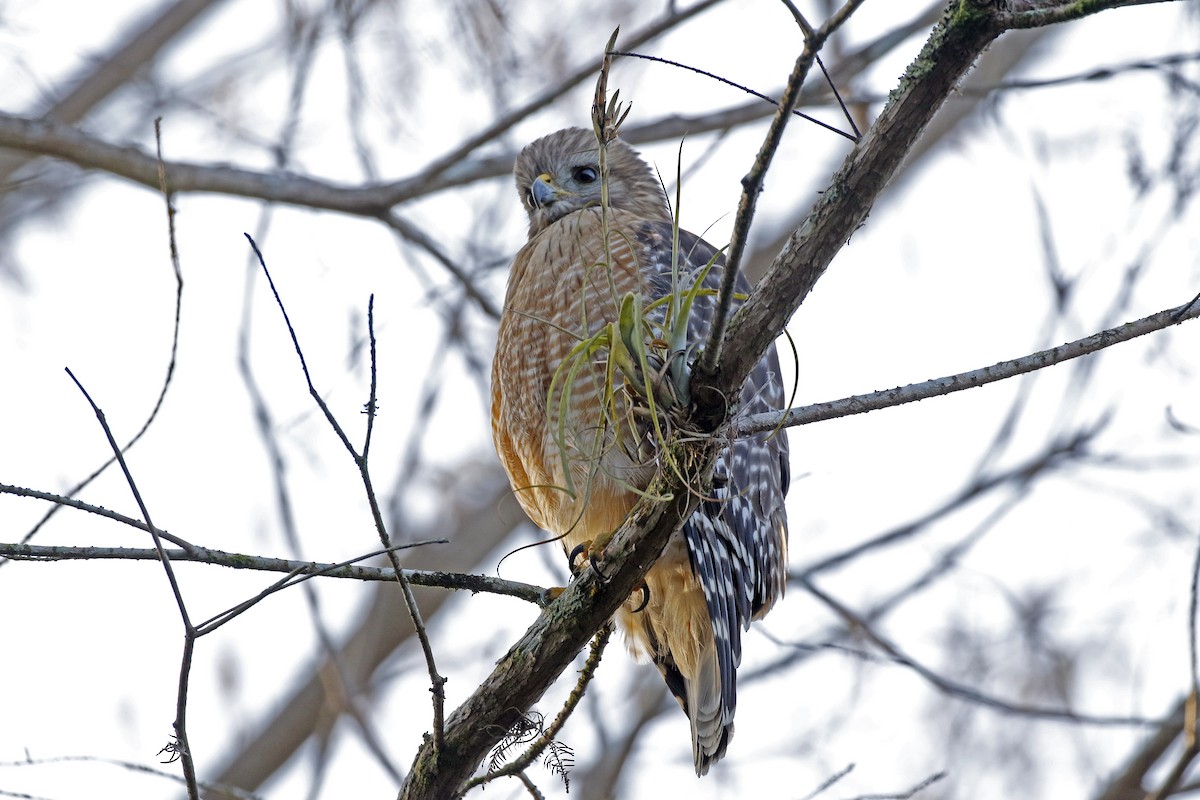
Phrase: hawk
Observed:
(578, 453)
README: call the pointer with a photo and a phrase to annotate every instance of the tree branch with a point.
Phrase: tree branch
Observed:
(857, 624)
(966, 28)
(348, 569)
(58, 140)
(475, 530)
(957, 40)
(752, 183)
(549, 646)
(48, 138)
(936, 387)
(1128, 784)
(180, 748)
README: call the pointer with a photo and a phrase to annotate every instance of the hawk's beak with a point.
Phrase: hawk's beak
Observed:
(543, 192)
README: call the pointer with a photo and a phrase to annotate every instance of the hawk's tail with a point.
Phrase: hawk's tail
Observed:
(703, 698)
(696, 650)
(712, 727)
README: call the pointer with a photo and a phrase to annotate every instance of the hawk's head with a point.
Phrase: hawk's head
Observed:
(560, 173)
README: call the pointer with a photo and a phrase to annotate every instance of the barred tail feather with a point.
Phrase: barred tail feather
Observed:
(701, 699)
(712, 728)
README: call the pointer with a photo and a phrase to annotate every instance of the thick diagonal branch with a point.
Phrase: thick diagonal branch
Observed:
(550, 645)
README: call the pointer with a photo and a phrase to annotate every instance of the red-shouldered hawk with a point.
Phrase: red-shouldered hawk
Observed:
(578, 459)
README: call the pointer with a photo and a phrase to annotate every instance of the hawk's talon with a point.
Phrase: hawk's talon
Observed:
(581, 549)
(645, 590)
(584, 550)
(596, 567)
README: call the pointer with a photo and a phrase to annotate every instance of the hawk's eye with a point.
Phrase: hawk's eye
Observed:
(585, 175)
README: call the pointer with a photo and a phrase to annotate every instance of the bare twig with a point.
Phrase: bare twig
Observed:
(181, 746)
(905, 795)
(829, 782)
(165, 189)
(954, 689)
(752, 185)
(859, 404)
(734, 84)
(360, 459)
(518, 765)
(345, 569)
(71, 502)
(964, 31)
(223, 790)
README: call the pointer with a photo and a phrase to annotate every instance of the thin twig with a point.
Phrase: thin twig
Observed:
(414, 235)
(860, 404)
(437, 681)
(801, 21)
(299, 574)
(734, 84)
(752, 183)
(181, 747)
(219, 789)
(518, 765)
(905, 795)
(360, 460)
(312, 389)
(954, 689)
(837, 95)
(344, 569)
(168, 197)
(71, 502)
(303, 39)
(829, 782)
